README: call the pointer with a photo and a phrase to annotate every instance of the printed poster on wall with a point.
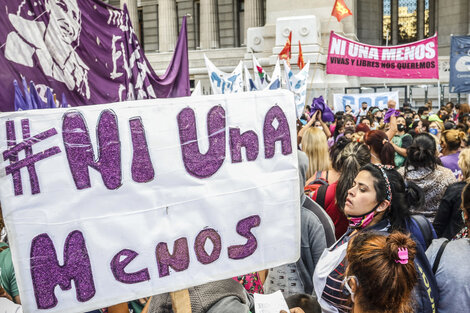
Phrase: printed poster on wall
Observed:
(414, 60)
(109, 203)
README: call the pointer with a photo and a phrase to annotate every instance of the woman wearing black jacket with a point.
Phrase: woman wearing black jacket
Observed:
(448, 221)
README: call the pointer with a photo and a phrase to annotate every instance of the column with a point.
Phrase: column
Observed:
(133, 14)
(420, 21)
(167, 25)
(253, 15)
(209, 29)
(394, 22)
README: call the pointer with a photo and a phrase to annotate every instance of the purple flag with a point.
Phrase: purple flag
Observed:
(27, 95)
(50, 104)
(178, 70)
(35, 98)
(20, 103)
(64, 103)
(319, 104)
(85, 49)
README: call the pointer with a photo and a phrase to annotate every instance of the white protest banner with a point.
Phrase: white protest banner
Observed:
(372, 99)
(108, 203)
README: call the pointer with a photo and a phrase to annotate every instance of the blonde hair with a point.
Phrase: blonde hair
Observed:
(464, 164)
(439, 125)
(315, 145)
(453, 138)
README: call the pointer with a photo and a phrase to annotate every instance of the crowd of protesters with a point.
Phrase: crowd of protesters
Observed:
(384, 202)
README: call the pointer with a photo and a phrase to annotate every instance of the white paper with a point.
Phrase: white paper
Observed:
(270, 303)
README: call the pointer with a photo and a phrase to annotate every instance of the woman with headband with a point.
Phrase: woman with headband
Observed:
(377, 201)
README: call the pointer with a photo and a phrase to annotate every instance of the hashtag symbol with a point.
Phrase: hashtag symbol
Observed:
(30, 159)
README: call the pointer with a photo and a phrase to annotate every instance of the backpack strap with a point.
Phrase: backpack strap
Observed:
(438, 256)
(325, 220)
(321, 195)
(3, 248)
(424, 227)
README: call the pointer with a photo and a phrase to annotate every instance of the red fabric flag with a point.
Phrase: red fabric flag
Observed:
(300, 60)
(285, 54)
(340, 10)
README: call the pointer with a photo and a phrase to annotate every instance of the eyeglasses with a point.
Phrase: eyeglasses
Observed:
(346, 283)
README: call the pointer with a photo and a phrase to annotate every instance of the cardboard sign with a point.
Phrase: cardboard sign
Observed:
(414, 60)
(355, 101)
(109, 203)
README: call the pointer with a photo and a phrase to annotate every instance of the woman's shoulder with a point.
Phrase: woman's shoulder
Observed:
(445, 173)
(455, 250)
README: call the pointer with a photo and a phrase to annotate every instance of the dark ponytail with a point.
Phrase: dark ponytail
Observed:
(422, 153)
(352, 157)
(378, 141)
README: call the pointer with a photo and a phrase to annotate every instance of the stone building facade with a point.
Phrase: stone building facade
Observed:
(230, 30)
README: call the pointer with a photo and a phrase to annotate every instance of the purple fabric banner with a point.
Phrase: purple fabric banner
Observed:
(86, 50)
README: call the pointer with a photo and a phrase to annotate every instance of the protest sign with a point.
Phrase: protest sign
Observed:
(372, 99)
(414, 60)
(105, 204)
(459, 79)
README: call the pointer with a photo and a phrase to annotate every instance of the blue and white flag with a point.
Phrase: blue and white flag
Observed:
(275, 82)
(297, 83)
(223, 83)
(459, 64)
(249, 83)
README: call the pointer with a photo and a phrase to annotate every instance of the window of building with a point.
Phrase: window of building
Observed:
(406, 20)
(387, 21)
(140, 13)
(427, 20)
(197, 23)
(241, 21)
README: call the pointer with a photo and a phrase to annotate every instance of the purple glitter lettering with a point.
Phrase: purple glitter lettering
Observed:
(271, 135)
(244, 227)
(248, 139)
(197, 164)
(200, 241)
(80, 150)
(178, 260)
(142, 168)
(46, 272)
(118, 266)
(30, 159)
